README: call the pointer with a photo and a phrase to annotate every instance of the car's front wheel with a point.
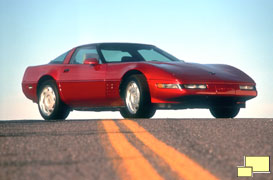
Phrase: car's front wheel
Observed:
(220, 112)
(137, 98)
(50, 105)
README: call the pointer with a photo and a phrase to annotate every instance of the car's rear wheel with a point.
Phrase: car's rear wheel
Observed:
(220, 112)
(50, 105)
(137, 98)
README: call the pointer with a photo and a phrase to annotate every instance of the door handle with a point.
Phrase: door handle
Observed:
(66, 70)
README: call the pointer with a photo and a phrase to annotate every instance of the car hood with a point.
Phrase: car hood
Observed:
(194, 72)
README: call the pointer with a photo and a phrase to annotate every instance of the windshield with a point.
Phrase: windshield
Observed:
(114, 52)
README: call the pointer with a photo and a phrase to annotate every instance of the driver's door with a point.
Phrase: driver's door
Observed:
(83, 85)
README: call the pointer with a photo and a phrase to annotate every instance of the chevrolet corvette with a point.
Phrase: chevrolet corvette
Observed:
(135, 79)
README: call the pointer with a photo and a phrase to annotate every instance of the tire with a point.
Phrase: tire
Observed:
(49, 103)
(137, 99)
(224, 112)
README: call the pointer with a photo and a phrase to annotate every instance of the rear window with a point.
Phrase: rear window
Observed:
(59, 59)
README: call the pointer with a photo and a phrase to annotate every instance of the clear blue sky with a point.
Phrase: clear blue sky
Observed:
(234, 32)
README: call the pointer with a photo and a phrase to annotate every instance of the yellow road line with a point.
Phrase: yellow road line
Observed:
(136, 166)
(181, 164)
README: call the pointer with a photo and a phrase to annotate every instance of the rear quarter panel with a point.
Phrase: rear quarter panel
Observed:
(32, 76)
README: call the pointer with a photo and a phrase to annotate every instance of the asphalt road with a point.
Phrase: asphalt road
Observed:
(132, 149)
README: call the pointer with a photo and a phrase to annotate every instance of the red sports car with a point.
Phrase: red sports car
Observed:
(135, 79)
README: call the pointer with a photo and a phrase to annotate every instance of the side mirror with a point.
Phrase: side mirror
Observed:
(91, 61)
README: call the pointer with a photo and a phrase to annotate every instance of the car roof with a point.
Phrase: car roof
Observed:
(113, 43)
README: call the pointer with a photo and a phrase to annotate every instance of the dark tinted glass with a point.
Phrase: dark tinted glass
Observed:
(59, 59)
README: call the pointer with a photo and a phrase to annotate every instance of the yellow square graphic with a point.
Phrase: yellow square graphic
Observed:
(259, 163)
(244, 171)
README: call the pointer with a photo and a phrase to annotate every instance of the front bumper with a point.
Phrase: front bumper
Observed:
(203, 101)
(213, 94)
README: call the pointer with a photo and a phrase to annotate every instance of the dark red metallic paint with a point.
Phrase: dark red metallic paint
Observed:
(83, 85)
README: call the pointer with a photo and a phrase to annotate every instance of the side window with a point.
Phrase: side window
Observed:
(83, 53)
(59, 59)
